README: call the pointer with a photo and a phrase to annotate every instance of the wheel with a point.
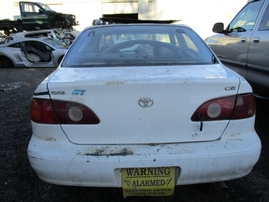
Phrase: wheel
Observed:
(6, 62)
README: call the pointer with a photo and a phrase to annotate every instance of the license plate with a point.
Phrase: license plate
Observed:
(148, 181)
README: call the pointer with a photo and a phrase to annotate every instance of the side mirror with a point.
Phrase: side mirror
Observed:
(218, 27)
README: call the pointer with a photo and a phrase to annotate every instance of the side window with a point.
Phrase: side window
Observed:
(246, 18)
(8, 39)
(29, 8)
(42, 47)
(106, 41)
(15, 45)
(163, 38)
(190, 43)
(264, 25)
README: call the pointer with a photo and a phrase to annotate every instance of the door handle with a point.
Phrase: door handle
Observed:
(256, 39)
(243, 39)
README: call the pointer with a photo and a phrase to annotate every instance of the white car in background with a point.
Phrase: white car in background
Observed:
(145, 114)
(31, 52)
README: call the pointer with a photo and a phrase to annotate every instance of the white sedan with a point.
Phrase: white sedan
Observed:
(31, 52)
(153, 109)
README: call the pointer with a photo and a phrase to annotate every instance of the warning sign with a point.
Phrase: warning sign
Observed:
(148, 181)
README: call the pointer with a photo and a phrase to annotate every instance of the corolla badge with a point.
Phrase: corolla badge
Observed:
(145, 102)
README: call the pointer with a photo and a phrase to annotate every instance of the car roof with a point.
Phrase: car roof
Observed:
(19, 35)
(33, 32)
(148, 23)
(42, 39)
(111, 20)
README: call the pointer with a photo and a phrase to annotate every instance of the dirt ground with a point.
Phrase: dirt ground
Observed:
(18, 182)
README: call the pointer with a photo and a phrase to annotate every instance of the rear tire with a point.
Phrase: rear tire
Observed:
(6, 62)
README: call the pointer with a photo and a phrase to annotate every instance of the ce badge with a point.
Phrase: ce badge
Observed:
(145, 102)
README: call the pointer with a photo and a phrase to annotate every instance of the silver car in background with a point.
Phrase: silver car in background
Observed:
(244, 44)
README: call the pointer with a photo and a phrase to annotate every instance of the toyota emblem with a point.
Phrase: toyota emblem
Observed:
(145, 102)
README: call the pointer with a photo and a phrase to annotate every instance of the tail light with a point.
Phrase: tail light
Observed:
(234, 107)
(61, 112)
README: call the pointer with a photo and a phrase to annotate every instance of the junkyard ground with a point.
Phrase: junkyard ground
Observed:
(18, 182)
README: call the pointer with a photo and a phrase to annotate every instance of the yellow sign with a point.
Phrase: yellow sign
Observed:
(148, 181)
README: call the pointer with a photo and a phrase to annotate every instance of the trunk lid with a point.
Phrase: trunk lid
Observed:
(117, 96)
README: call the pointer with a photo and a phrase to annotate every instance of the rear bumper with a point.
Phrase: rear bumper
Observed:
(57, 161)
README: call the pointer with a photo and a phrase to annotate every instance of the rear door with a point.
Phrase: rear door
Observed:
(233, 47)
(258, 55)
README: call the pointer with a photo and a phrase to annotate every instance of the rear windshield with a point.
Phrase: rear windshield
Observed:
(137, 45)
